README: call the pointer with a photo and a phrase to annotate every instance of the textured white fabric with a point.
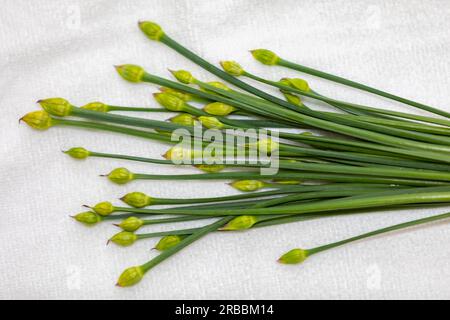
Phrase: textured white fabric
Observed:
(67, 48)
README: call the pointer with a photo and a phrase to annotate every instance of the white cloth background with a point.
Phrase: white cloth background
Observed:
(67, 48)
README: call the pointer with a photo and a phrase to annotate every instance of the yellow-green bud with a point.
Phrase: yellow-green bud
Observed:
(137, 199)
(39, 120)
(168, 242)
(267, 145)
(219, 109)
(294, 256)
(124, 238)
(290, 97)
(232, 67)
(78, 153)
(211, 122)
(307, 133)
(96, 106)
(298, 83)
(248, 185)
(131, 224)
(210, 168)
(183, 76)
(130, 277)
(286, 181)
(120, 176)
(216, 84)
(88, 218)
(180, 153)
(131, 72)
(240, 223)
(152, 30)
(58, 107)
(265, 56)
(169, 101)
(184, 119)
(180, 94)
(104, 208)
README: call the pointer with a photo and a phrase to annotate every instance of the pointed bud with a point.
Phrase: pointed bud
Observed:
(120, 176)
(180, 94)
(240, 223)
(219, 109)
(211, 122)
(178, 153)
(58, 107)
(291, 98)
(39, 120)
(232, 67)
(298, 84)
(183, 76)
(248, 185)
(184, 119)
(137, 199)
(88, 218)
(96, 106)
(294, 256)
(104, 208)
(210, 168)
(168, 242)
(78, 153)
(216, 84)
(152, 30)
(169, 101)
(131, 72)
(124, 238)
(131, 224)
(130, 277)
(265, 56)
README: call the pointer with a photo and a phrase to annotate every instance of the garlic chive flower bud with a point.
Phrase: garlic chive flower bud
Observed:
(210, 168)
(180, 94)
(211, 122)
(184, 119)
(131, 224)
(216, 84)
(104, 208)
(152, 30)
(294, 256)
(58, 107)
(183, 76)
(168, 242)
(265, 56)
(219, 109)
(96, 106)
(130, 277)
(179, 153)
(267, 145)
(240, 223)
(78, 153)
(137, 199)
(286, 182)
(88, 218)
(120, 176)
(39, 120)
(169, 101)
(232, 67)
(296, 83)
(248, 185)
(131, 72)
(291, 98)
(124, 238)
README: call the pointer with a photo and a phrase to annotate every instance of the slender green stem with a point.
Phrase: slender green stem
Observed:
(138, 109)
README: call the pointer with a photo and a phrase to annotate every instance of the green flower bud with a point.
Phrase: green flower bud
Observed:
(210, 168)
(78, 153)
(216, 84)
(297, 83)
(88, 218)
(267, 145)
(179, 153)
(58, 107)
(184, 119)
(169, 101)
(240, 223)
(183, 76)
(131, 224)
(130, 277)
(232, 67)
(120, 176)
(131, 72)
(248, 185)
(124, 238)
(104, 208)
(278, 181)
(294, 256)
(96, 106)
(39, 120)
(290, 97)
(265, 56)
(211, 122)
(168, 242)
(152, 30)
(137, 199)
(180, 94)
(219, 109)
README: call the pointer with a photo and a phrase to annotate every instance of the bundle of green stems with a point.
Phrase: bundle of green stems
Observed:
(361, 160)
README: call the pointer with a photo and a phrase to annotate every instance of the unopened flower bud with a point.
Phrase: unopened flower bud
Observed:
(180, 94)
(210, 168)
(169, 101)
(265, 56)
(294, 256)
(39, 120)
(120, 176)
(298, 83)
(130, 277)
(211, 122)
(104, 208)
(232, 67)
(124, 238)
(78, 153)
(152, 30)
(288, 182)
(168, 242)
(240, 223)
(267, 145)
(131, 224)
(184, 119)
(88, 218)
(178, 153)
(216, 84)
(131, 72)
(58, 107)
(291, 98)
(96, 106)
(137, 199)
(219, 109)
(183, 76)
(248, 185)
